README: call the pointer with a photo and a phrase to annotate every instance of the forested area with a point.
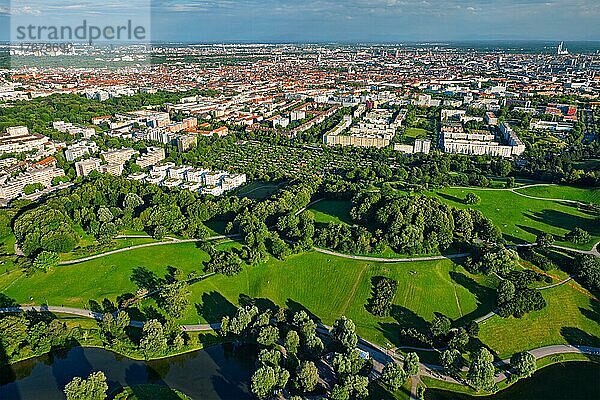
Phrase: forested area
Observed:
(38, 114)
(408, 224)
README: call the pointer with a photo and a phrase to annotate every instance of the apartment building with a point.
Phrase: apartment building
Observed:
(230, 182)
(358, 138)
(13, 188)
(419, 146)
(85, 167)
(186, 142)
(479, 143)
(195, 175)
(18, 139)
(80, 149)
(152, 156)
(120, 156)
(74, 130)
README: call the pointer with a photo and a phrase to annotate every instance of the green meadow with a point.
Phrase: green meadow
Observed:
(521, 219)
(327, 211)
(583, 195)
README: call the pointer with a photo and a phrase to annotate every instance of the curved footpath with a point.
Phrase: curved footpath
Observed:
(379, 355)
(170, 240)
(141, 246)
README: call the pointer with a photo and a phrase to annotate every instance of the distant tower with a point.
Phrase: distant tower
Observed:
(319, 58)
(562, 50)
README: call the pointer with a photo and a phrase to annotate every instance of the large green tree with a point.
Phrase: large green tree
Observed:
(92, 388)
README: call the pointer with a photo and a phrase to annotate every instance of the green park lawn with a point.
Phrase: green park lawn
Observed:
(110, 276)
(570, 317)
(326, 286)
(258, 190)
(337, 211)
(329, 287)
(521, 219)
(563, 192)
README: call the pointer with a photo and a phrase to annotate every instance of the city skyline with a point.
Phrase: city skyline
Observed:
(325, 20)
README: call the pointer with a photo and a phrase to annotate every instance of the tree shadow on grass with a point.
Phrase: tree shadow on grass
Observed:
(512, 239)
(262, 304)
(451, 198)
(535, 232)
(145, 279)
(485, 297)
(405, 319)
(214, 307)
(566, 221)
(7, 302)
(294, 307)
(594, 313)
(578, 337)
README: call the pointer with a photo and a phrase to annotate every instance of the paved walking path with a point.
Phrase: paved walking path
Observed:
(390, 260)
(379, 355)
(141, 246)
(492, 313)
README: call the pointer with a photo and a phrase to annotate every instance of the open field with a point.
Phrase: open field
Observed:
(257, 190)
(343, 287)
(521, 219)
(337, 211)
(570, 317)
(104, 277)
(327, 287)
(564, 193)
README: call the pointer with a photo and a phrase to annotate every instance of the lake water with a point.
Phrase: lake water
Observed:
(567, 381)
(216, 373)
(220, 373)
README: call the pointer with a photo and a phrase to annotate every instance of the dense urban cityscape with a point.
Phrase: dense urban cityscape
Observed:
(411, 220)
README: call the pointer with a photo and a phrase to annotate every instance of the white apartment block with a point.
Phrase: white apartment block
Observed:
(17, 139)
(112, 169)
(71, 129)
(178, 172)
(551, 126)
(213, 178)
(280, 121)
(230, 182)
(161, 169)
(419, 146)
(120, 156)
(157, 135)
(152, 156)
(195, 175)
(80, 149)
(297, 115)
(13, 188)
(85, 167)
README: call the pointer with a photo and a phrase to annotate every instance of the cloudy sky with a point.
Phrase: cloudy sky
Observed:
(328, 20)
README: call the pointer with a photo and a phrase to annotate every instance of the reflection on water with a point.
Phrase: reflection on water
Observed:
(220, 373)
(568, 381)
(215, 373)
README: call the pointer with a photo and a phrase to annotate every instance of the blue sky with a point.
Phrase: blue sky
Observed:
(331, 20)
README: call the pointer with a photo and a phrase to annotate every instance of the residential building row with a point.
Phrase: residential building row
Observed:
(189, 178)
(40, 173)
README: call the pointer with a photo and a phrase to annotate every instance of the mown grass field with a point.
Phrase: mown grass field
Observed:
(327, 211)
(330, 287)
(104, 277)
(563, 192)
(521, 219)
(325, 286)
(258, 190)
(571, 317)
